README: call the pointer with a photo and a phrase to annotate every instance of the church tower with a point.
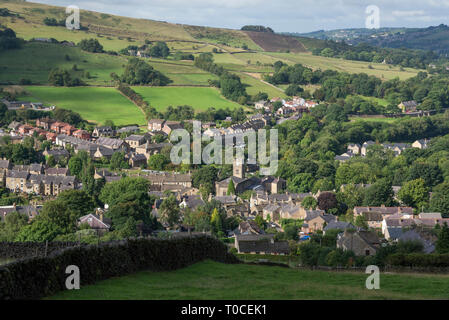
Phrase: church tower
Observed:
(238, 168)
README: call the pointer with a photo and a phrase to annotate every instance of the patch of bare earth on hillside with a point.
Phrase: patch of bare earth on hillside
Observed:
(276, 42)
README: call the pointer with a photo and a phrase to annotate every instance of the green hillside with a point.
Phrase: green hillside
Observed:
(35, 60)
(216, 281)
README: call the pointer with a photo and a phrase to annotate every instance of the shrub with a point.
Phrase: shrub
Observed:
(44, 276)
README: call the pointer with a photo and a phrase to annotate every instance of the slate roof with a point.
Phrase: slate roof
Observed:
(340, 225)
(412, 235)
(261, 243)
(109, 142)
(5, 164)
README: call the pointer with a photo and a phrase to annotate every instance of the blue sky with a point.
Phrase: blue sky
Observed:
(281, 15)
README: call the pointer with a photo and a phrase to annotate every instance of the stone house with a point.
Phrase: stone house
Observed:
(362, 243)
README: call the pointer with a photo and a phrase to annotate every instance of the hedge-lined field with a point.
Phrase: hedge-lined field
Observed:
(198, 98)
(94, 104)
(36, 278)
(212, 280)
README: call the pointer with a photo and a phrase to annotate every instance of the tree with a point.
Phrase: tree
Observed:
(39, 231)
(118, 161)
(414, 193)
(231, 188)
(361, 222)
(77, 201)
(91, 45)
(169, 211)
(56, 218)
(51, 161)
(10, 227)
(291, 232)
(442, 244)
(440, 199)
(158, 162)
(75, 166)
(380, 193)
(216, 221)
(327, 201)
(127, 190)
(309, 202)
(293, 90)
(139, 72)
(260, 221)
(159, 50)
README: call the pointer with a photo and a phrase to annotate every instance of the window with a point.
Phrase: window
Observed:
(367, 253)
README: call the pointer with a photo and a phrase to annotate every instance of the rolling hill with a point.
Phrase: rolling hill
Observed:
(248, 54)
(434, 38)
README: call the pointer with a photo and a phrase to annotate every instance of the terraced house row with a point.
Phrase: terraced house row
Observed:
(36, 179)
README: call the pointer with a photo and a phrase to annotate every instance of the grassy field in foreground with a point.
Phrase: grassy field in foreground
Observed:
(216, 281)
(94, 104)
(198, 98)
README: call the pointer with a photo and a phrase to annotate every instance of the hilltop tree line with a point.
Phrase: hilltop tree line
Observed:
(257, 28)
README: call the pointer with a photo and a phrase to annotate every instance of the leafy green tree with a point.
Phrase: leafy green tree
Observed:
(260, 221)
(216, 221)
(440, 198)
(91, 45)
(380, 193)
(77, 201)
(39, 231)
(11, 225)
(127, 190)
(231, 188)
(158, 162)
(118, 161)
(291, 232)
(139, 72)
(56, 218)
(414, 193)
(169, 211)
(442, 244)
(159, 50)
(361, 222)
(309, 202)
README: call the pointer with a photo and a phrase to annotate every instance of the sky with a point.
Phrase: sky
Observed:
(281, 15)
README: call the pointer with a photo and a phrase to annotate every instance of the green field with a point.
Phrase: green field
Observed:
(216, 281)
(383, 71)
(15, 64)
(94, 104)
(198, 98)
(255, 86)
(373, 119)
